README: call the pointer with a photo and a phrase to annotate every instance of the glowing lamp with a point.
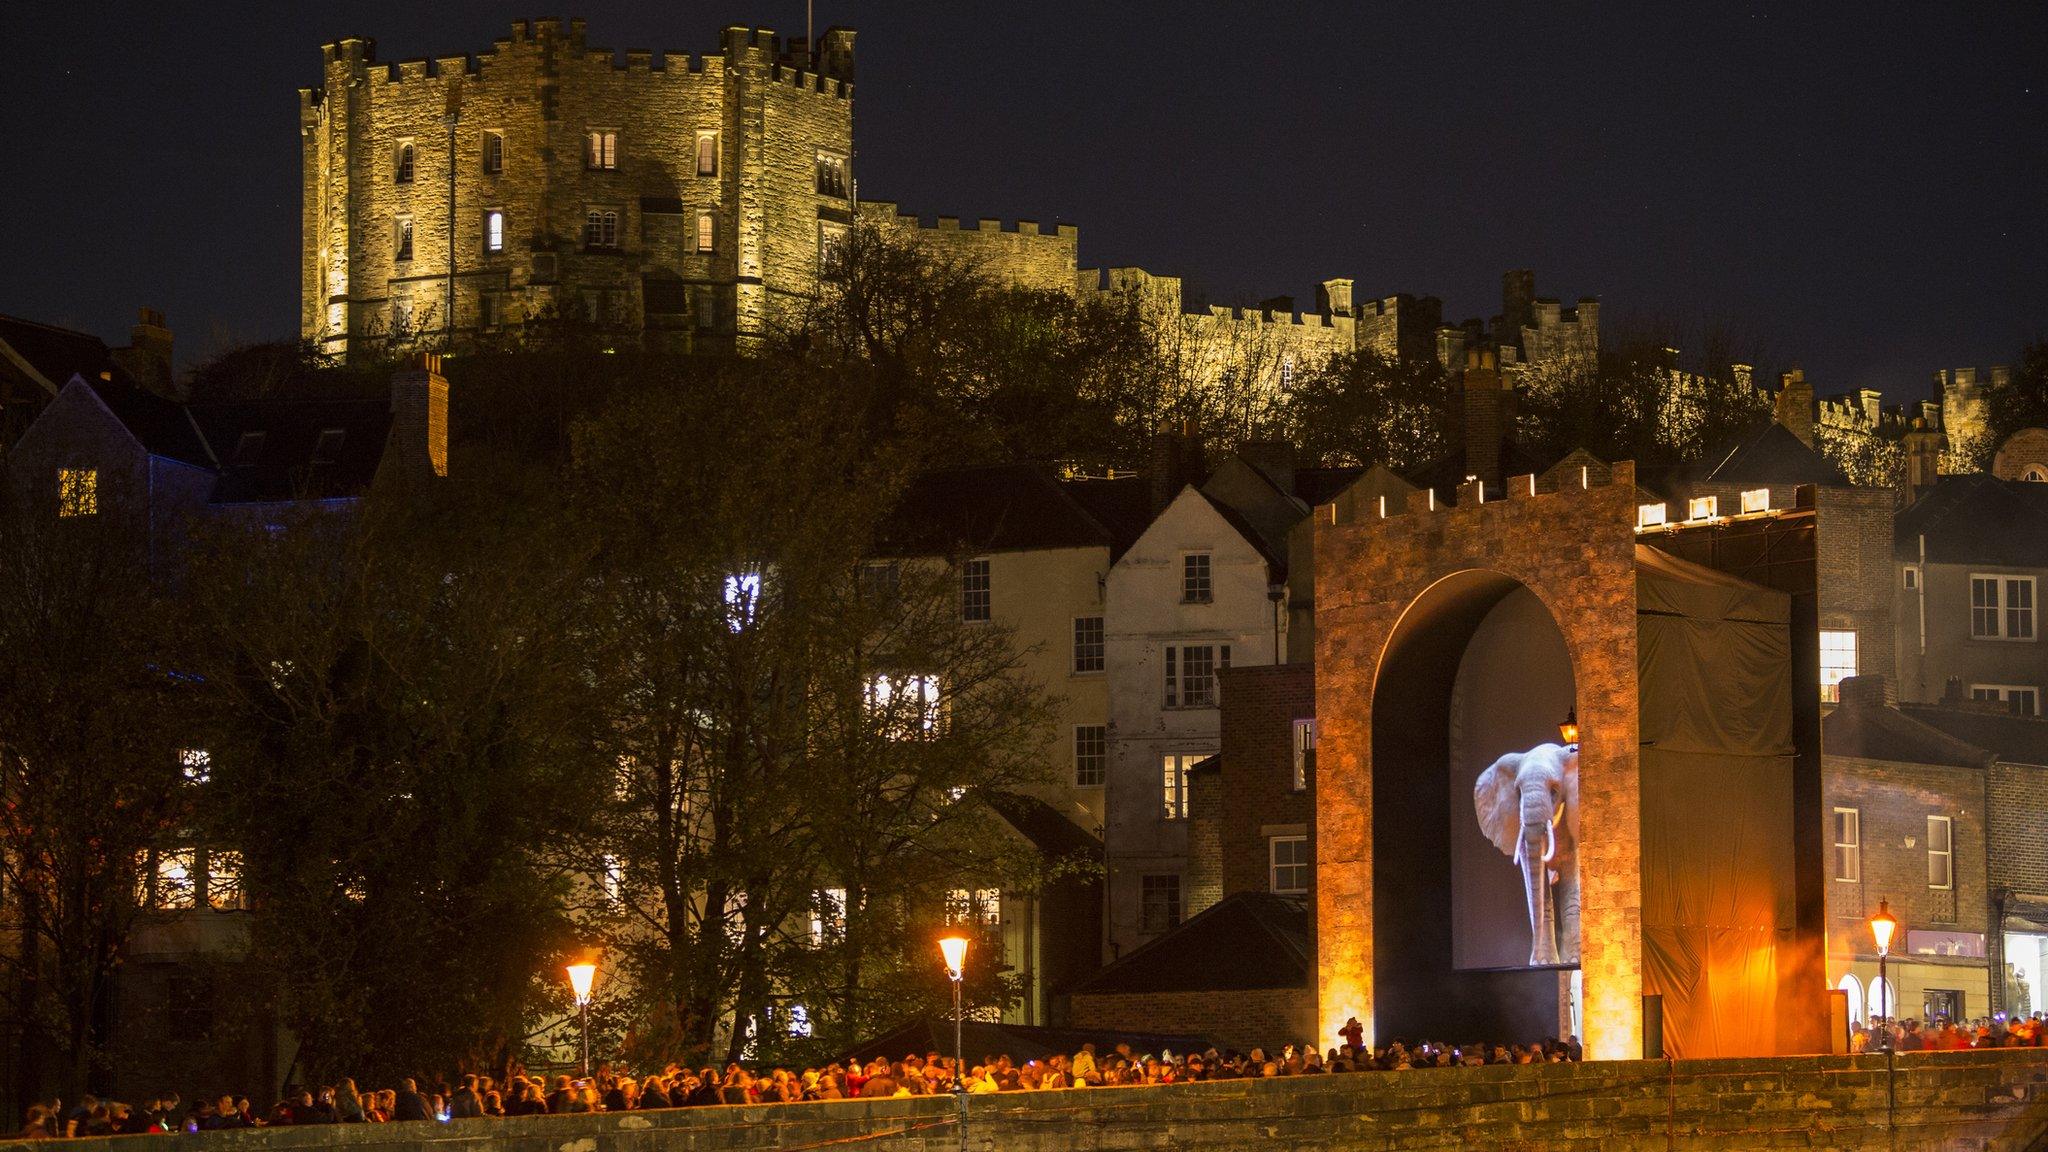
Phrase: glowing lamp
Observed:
(581, 977)
(1882, 926)
(954, 949)
(1570, 728)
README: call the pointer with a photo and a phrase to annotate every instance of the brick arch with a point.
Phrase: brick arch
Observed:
(1575, 551)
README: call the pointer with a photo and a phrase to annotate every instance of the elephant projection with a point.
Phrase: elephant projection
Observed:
(1528, 806)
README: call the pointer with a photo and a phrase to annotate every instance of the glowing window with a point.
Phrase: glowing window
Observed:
(1837, 662)
(742, 597)
(979, 906)
(224, 881)
(906, 707)
(707, 153)
(1649, 515)
(1702, 508)
(494, 230)
(1756, 500)
(602, 152)
(196, 764)
(1174, 783)
(78, 492)
(828, 915)
(707, 232)
(176, 880)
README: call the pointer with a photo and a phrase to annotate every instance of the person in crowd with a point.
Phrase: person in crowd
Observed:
(410, 1104)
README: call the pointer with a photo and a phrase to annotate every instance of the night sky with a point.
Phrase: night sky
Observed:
(1855, 188)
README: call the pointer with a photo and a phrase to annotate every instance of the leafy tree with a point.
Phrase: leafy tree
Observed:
(2021, 403)
(1362, 408)
(93, 708)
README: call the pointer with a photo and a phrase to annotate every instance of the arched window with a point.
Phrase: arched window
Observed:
(2034, 472)
(1884, 999)
(1854, 988)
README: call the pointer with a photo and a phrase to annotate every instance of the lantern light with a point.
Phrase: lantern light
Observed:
(581, 977)
(1569, 730)
(1882, 926)
(954, 949)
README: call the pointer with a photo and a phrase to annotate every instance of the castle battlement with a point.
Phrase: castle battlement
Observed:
(889, 212)
(1552, 489)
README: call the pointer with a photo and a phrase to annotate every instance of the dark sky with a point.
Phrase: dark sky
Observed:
(1858, 188)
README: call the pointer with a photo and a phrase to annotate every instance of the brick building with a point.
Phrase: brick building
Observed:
(1970, 558)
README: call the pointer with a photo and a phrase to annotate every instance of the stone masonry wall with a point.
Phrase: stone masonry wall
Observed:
(1994, 1101)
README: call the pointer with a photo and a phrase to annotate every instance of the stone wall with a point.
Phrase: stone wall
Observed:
(1984, 1101)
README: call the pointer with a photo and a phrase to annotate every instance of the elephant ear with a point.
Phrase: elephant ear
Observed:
(1499, 802)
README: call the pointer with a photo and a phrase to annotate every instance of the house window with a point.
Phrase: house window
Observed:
(78, 492)
(1287, 374)
(831, 175)
(1195, 587)
(880, 581)
(1091, 755)
(494, 230)
(402, 239)
(401, 164)
(1941, 855)
(1088, 645)
(1158, 903)
(2027, 699)
(1837, 662)
(982, 907)
(707, 153)
(1304, 753)
(907, 707)
(974, 591)
(494, 153)
(831, 247)
(195, 764)
(601, 229)
(2001, 607)
(1848, 844)
(707, 232)
(603, 151)
(742, 596)
(1174, 783)
(175, 879)
(1191, 674)
(611, 878)
(1912, 577)
(1289, 871)
(828, 915)
(486, 311)
(224, 881)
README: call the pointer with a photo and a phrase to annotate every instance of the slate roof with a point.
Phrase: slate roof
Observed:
(163, 427)
(997, 508)
(1041, 823)
(1771, 455)
(272, 450)
(981, 1041)
(2013, 739)
(1977, 519)
(1250, 940)
(1878, 733)
(1275, 551)
(56, 354)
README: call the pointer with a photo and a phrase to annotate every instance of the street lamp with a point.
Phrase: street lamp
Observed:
(954, 949)
(1882, 926)
(581, 977)
(1569, 730)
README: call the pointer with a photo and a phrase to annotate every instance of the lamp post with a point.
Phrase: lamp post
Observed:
(954, 949)
(1882, 926)
(1568, 731)
(581, 977)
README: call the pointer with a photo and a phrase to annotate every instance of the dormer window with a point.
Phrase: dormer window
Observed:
(327, 449)
(247, 450)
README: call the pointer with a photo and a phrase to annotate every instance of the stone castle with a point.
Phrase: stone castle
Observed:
(686, 202)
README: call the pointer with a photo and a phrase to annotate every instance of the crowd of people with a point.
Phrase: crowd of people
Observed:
(933, 1074)
(1944, 1035)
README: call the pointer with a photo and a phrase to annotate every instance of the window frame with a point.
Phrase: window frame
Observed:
(833, 178)
(1098, 646)
(2002, 609)
(704, 235)
(601, 230)
(404, 161)
(2004, 693)
(601, 150)
(1853, 847)
(1173, 784)
(706, 136)
(977, 591)
(1946, 854)
(1274, 865)
(491, 160)
(401, 238)
(1179, 686)
(1197, 578)
(494, 231)
(1091, 743)
(1303, 733)
(1832, 692)
(1167, 885)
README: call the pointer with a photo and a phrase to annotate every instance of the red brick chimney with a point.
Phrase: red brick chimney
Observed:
(419, 417)
(1176, 462)
(1794, 406)
(1485, 416)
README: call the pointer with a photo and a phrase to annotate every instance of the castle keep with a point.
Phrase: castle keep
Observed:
(548, 178)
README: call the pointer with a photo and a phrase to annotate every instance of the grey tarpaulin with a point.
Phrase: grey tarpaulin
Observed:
(1715, 679)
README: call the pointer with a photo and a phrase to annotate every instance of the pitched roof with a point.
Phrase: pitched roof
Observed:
(1041, 823)
(278, 450)
(1123, 507)
(1245, 941)
(2013, 739)
(163, 427)
(53, 354)
(1274, 551)
(1771, 454)
(1977, 519)
(995, 508)
(1875, 732)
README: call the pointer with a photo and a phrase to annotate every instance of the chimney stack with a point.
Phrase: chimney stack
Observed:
(148, 355)
(1871, 691)
(419, 417)
(1485, 416)
(1794, 406)
(1176, 463)
(1923, 458)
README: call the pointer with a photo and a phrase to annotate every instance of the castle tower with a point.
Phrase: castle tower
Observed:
(674, 203)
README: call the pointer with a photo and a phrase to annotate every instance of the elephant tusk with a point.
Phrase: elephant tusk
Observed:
(1549, 842)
